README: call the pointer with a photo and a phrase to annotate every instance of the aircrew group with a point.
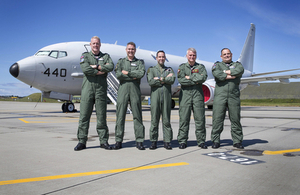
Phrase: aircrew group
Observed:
(130, 70)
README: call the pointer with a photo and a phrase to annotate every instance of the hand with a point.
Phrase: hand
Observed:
(93, 66)
(228, 72)
(187, 77)
(230, 77)
(169, 75)
(100, 73)
(155, 78)
(125, 72)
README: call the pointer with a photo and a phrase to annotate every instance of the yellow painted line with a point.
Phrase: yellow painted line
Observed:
(30, 121)
(23, 120)
(90, 173)
(280, 151)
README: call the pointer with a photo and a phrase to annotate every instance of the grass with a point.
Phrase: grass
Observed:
(272, 102)
(35, 97)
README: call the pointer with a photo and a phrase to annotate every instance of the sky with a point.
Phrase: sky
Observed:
(171, 25)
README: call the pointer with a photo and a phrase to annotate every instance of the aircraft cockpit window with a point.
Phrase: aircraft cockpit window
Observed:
(62, 54)
(58, 54)
(42, 53)
(54, 54)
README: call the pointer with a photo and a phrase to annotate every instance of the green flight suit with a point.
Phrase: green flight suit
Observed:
(227, 95)
(161, 101)
(129, 90)
(191, 98)
(94, 91)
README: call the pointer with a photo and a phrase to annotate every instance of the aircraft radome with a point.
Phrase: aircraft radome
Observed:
(55, 70)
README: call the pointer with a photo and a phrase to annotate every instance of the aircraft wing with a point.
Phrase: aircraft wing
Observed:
(282, 78)
(265, 73)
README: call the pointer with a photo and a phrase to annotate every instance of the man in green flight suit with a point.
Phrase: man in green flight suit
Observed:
(191, 75)
(227, 95)
(95, 65)
(161, 78)
(129, 71)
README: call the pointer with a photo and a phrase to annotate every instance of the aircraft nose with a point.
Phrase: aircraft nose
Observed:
(14, 70)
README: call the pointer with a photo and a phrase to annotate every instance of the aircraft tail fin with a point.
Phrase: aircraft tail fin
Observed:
(247, 54)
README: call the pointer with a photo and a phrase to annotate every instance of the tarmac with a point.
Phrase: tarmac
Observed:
(38, 157)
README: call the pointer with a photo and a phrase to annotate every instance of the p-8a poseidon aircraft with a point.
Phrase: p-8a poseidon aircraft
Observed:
(55, 70)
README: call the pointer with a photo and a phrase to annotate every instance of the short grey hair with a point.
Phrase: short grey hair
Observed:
(96, 37)
(192, 50)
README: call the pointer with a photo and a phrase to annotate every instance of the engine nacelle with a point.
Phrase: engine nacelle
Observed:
(208, 91)
(58, 96)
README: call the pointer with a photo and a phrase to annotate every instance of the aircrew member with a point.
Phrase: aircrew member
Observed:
(191, 75)
(227, 95)
(161, 78)
(95, 65)
(129, 71)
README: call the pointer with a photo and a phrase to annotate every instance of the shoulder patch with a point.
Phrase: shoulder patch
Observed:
(213, 67)
(82, 58)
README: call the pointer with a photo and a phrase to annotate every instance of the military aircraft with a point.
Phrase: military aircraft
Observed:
(55, 70)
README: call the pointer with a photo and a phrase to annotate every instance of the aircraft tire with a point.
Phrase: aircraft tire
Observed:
(70, 107)
(64, 107)
(173, 104)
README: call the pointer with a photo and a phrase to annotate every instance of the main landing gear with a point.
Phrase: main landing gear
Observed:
(68, 107)
(173, 104)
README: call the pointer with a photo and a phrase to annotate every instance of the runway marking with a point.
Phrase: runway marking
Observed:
(90, 173)
(25, 121)
(234, 158)
(280, 151)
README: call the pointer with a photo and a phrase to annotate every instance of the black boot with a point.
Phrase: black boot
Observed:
(117, 146)
(106, 146)
(167, 145)
(80, 146)
(139, 145)
(153, 146)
